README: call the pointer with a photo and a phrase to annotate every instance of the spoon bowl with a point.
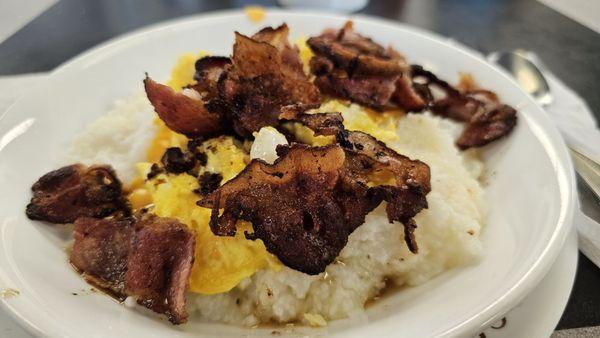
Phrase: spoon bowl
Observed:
(527, 69)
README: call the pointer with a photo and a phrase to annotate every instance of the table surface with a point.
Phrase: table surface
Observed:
(569, 49)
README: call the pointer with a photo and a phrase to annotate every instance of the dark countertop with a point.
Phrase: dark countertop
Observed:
(569, 49)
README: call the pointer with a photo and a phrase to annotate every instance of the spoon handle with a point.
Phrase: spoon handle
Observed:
(588, 170)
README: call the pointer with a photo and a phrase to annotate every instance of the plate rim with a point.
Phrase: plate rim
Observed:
(541, 126)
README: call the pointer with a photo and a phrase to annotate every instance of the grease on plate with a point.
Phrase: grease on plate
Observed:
(6, 293)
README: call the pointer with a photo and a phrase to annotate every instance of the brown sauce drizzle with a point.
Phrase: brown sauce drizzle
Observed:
(390, 288)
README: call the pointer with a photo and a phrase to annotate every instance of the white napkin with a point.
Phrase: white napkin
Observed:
(570, 113)
(574, 119)
(576, 122)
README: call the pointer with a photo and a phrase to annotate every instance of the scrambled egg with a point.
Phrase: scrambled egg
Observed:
(305, 52)
(224, 155)
(223, 262)
(255, 13)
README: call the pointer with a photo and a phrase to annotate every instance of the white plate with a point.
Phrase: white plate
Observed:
(529, 194)
(539, 313)
(536, 316)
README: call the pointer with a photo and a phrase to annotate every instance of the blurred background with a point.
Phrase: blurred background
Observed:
(38, 35)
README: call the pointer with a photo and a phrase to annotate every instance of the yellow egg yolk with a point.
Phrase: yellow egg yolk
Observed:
(255, 13)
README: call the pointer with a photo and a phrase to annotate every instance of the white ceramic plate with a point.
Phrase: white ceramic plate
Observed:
(529, 191)
(540, 312)
(536, 316)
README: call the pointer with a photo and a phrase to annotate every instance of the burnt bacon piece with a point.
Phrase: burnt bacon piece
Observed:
(176, 161)
(181, 113)
(372, 91)
(300, 206)
(411, 179)
(414, 95)
(208, 72)
(306, 204)
(278, 38)
(358, 55)
(353, 67)
(367, 157)
(409, 95)
(487, 126)
(65, 194)
(320, 123)
(149, 258)
(486, 118)
(245, 91)
(209, 182)
(264, 77)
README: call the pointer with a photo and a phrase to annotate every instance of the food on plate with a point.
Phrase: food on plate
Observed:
(354, 67)
(350, 66)
(284, 183)
(73, 191)
(183, 114)
(486, 117)
(145, 257)
(245, 93)
(306, 204)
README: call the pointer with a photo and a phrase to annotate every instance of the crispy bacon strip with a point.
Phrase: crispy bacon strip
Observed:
(368, 155)
(149, 258)
(65, 194)
(320, 123)
(411, 179)
(278, 38)
(208, 72)
(351, 66)
(245, 91)
(488, 126)
(372, 91)
(354, 53)
(264, 78)
(407, 95)
(181, 113)
(301, 207)
(305, 205)
(486, 118)
(297, 84)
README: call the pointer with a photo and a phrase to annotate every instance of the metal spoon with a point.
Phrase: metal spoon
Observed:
(528, 70)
